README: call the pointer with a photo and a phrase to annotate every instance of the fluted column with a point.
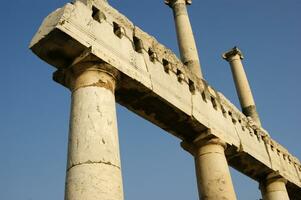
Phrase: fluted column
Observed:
(273, 188)
(234, 57)
(212, 170)
(93, 167)
(186, 42)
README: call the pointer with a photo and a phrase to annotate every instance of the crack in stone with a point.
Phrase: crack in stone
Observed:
(93, 125)
(268, 152)
(297, 172)
(240, 148)
(93, 162)
(147, 69)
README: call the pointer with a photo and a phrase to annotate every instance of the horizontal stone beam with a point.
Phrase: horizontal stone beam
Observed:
(156, 85)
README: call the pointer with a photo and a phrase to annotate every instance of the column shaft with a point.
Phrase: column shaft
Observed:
(93, 168)
(243, 88)
(186, 42)
(212, 170)
(241, 82)
(274, 189)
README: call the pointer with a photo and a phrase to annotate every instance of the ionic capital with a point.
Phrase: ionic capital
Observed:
(171, 3)
(232, 54)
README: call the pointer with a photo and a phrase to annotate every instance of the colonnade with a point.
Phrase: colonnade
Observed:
(94, 168)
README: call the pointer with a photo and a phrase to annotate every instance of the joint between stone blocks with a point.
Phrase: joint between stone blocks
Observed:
(91, 163)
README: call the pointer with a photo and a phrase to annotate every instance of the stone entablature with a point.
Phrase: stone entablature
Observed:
(101, 31)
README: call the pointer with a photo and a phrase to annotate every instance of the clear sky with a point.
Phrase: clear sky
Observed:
(35, 110)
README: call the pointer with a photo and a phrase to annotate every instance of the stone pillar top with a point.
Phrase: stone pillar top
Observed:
(68, 76)
(231, 53)
(171, 2)
(205, 138)
(275, 176)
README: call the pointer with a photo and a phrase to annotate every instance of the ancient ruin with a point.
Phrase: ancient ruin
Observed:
(103, 58)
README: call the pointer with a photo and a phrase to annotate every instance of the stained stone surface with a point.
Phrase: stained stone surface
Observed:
(156, 85)
(93, 167)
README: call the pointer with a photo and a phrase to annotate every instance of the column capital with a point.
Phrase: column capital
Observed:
(172, 2)
(86, 74)
(205, 138)
(234, 52)
(273, 187)
(87, 70)
(275, 176)
(271, 178)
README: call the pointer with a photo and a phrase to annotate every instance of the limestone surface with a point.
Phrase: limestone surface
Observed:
(155, 84)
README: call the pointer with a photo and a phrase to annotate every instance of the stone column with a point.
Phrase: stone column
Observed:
(273, 188)
(212, 170)
(93, 167)
(234, 57)
(186, 42)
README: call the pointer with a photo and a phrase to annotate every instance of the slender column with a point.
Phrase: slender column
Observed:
(186, 42)
(234, 57)
(212, 170)
(273, 188)
(93, 167)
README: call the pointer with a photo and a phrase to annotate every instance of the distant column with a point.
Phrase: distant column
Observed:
(93, 167)
(212, 170)
(273, 188)
(186, 42)
(234, 57)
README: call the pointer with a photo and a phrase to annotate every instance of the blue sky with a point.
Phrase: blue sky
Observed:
(35, 110)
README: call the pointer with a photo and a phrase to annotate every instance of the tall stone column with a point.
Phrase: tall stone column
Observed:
(273, 188)
(212, 170)
(93, 167)
(186, 42)
(234, 57)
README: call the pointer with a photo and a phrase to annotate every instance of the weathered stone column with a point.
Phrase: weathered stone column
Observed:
(212, 170)
(234, 57)
(186, 42)
(273, 188)
(93, 168)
